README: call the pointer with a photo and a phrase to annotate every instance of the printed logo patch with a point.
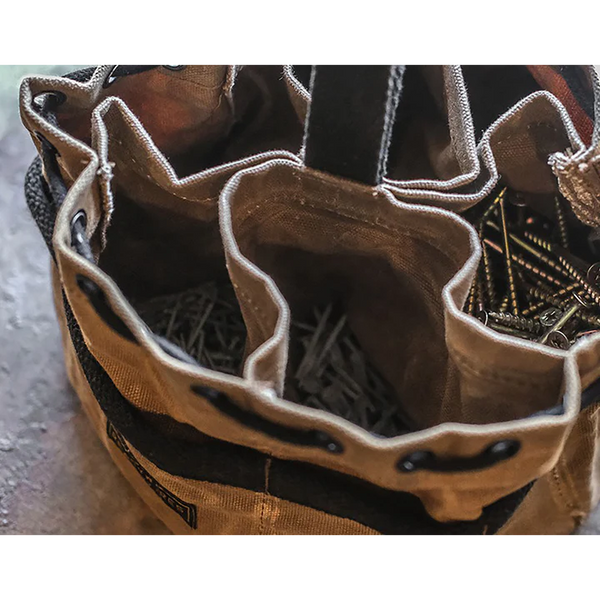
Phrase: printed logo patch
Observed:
(185, 510)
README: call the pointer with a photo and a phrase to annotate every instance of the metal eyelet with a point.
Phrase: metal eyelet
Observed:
(174, 65)
(78, 227)
(41, 98)
(425, 460)
(110, 78)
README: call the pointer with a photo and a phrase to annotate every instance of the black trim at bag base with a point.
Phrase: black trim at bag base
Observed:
(187, 511)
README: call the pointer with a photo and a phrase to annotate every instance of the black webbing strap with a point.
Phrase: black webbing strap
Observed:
(349, 125)
(123, 68)
(134, 67)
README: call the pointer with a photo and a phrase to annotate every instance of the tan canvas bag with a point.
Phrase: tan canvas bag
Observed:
(471, 431)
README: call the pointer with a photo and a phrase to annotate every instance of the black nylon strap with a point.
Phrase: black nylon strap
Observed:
(133, 67)
(349, 125)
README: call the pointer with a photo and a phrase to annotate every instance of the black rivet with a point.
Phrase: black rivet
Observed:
(110, 78)
(504, 449)
(327, 442)
(87, 286)
(413, 462)
(175, 67)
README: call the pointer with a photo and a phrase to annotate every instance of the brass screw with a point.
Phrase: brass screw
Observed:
(472, 297)
(527, 265)
(534, 252)
(533, 309)
(578, 277)
(538, 241)
(516, 322)
(550, 316)
(557, 339)
(549, 336)
(490, 210)
(509, 330)
(561, 219)
(512, 290)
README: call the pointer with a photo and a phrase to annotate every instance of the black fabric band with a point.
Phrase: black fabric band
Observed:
(350, 120)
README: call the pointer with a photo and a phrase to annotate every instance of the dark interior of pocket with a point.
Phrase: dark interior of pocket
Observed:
(421, 147)
(197, 131)
(494, 89)
(381, 288)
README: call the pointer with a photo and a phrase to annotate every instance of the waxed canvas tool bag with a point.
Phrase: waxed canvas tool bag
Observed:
(275, 292)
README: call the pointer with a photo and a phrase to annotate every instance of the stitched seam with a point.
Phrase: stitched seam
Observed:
(266, 494)
(256, 309)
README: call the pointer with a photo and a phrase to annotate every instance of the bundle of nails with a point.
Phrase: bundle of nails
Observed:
(326, 370)
(530, 283)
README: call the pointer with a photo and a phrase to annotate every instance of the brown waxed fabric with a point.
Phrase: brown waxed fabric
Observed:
(211, 188)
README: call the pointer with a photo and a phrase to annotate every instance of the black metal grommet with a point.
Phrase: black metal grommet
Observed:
(415, 461)
(80, 218)
(174, 65)
(495, 453)
(49, 100)
(285, 433)
(503, 449)
(110, 78)
(78, 226)
(95, 295)
(328, 443)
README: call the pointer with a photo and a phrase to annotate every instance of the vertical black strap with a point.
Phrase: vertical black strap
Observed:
(349, 125)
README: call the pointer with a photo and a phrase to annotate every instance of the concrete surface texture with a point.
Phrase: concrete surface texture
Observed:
(55, 476)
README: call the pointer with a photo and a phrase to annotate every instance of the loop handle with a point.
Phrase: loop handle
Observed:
(350, 119)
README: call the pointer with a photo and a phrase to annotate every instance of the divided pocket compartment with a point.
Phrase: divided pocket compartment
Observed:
(353, 280)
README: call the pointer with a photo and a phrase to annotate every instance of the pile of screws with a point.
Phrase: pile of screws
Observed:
(530, 284)
(329, 370)
(326, 369)
(205, 322)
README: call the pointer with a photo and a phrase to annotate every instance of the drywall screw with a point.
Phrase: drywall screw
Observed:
(593, 274)
(578, 277)
(534, 252)
(512, 290)
(554, 299)
(488, 276)
(557, 339)
(509, 330)
(490, 210)
(548, 336)
(533, 309)
(516, 322)
(527, 265)
(561, 219)
(592, 270)
(550, 316)
(538, 241)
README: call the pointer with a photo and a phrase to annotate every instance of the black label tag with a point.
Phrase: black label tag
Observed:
(185, 510)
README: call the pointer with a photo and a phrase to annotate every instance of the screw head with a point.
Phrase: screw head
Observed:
(482, 315)
(550, 316)
(581, 299)
(557, 339)
(593, 274)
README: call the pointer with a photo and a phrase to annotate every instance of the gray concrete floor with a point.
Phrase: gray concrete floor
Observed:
(55, 476)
